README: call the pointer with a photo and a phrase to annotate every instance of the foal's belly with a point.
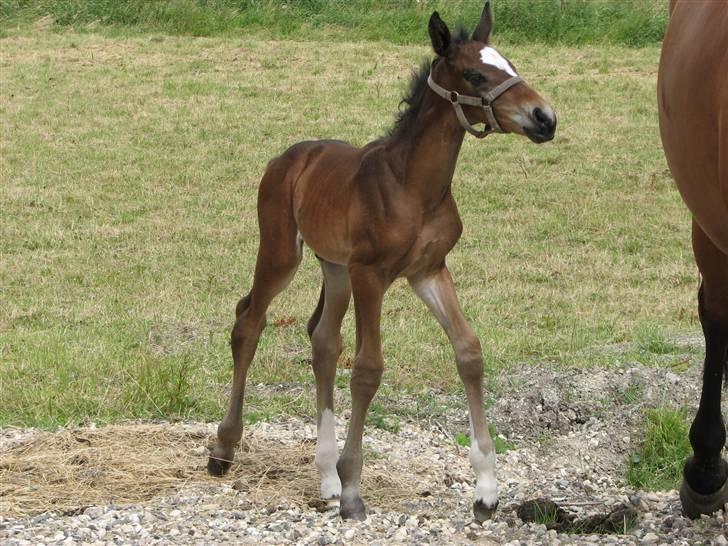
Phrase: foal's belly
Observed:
(321, 200)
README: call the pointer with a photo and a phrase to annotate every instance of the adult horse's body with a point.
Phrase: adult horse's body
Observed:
(374, 214)
(693, 105)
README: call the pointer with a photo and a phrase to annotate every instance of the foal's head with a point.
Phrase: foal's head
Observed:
(474, 68)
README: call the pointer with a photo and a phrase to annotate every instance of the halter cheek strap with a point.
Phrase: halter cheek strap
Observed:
(485, 102)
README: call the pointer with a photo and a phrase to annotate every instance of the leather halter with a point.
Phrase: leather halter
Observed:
(485, 102)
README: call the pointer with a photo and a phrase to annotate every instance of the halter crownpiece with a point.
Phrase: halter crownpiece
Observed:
(485, 102)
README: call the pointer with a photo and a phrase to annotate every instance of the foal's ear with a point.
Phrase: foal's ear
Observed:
(482, 31)
(439, 35)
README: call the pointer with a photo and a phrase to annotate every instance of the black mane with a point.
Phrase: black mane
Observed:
(412, 99)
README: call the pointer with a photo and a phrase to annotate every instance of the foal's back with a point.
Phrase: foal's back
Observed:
(330, 184)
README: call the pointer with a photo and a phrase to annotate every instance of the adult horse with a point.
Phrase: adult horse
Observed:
(371, 215)
(692, 95)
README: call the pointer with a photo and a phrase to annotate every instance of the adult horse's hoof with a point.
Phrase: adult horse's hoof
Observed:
(352, 509)
(482, 512)
(694, 504)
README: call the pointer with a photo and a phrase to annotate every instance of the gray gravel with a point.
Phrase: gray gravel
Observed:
(570, 448)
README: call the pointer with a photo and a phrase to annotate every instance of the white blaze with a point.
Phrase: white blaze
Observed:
(326, 456)
(490, 56)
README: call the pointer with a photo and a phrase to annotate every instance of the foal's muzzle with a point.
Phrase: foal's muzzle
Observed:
(542, 127)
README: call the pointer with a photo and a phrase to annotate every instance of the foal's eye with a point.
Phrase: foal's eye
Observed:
(475, 78)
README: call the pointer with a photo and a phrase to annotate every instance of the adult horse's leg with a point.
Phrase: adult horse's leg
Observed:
(326, 344)
(705, 485)
(279, 254)
(368, 286)
(438, 293)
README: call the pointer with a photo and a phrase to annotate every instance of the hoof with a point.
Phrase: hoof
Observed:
(353, 509)
(482, 512)
(218, 465)
(332, 504)
(694, 504)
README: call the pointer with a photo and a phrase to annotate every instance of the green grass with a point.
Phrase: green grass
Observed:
(128, 176)
(501, 445)
(568, 22)
(659, 462)
(546, 514)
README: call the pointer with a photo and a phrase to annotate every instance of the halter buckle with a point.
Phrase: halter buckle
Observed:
(454, 96)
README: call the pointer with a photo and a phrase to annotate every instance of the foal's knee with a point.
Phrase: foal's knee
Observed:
(469, 358)
(366, 375)
(326, 345)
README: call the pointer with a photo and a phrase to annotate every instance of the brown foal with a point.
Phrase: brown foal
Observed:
(371, 215)
(692, 93)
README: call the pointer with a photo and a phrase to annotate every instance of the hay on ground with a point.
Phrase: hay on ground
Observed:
(135, 463)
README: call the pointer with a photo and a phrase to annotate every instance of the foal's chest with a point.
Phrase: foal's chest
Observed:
(435, 240)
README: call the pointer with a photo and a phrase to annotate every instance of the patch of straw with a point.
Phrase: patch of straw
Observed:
(135, 463)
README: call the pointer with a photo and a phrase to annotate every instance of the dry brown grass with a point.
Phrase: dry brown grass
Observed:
(135, 463)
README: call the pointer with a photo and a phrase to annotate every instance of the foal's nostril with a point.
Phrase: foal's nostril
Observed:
(540, 116)
(546, 124)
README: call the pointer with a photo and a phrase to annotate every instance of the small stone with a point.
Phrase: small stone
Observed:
(401, 534)
(650, 538)
(721, 540)
(672, 378)
(94, 512)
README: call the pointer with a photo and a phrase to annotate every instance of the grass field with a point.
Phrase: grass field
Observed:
(628, 22)
(128, 174)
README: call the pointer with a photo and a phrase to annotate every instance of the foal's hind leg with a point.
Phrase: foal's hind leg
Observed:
(438, 293)
(325, 334)
(368, 285)
(278, 257)
(705, 485)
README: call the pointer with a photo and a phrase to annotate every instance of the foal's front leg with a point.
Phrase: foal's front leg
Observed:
(368, 286)
(438, 293)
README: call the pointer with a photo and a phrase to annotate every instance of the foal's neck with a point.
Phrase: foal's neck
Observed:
(428, 150)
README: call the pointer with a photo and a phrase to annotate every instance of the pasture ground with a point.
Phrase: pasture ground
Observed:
(566, 437)
(129, 170)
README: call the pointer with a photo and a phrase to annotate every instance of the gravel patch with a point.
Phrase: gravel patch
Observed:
(572, 433)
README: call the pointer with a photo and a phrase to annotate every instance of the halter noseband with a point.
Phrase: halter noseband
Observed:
(485, 102)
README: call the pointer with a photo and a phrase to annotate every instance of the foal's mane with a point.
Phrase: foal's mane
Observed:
(412, 100)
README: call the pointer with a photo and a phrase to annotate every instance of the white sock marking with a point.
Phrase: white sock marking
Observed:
(486, 486)
(490, 56)
(326, 456)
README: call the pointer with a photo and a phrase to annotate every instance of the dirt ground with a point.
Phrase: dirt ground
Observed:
(570, 434)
